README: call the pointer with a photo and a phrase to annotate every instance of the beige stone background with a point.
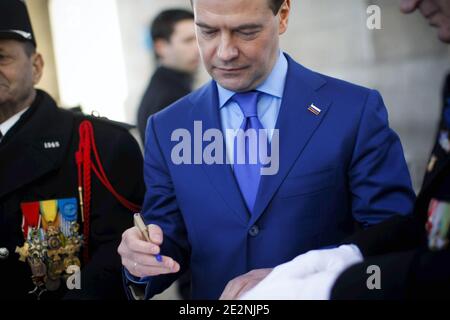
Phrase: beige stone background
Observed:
(404, 60)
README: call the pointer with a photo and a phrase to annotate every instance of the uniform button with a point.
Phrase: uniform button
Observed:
(4, 253)
(254, 231)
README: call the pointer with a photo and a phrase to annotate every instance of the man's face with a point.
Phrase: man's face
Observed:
(437, 12)
(18, 73)
(181, 52)
(239, 40)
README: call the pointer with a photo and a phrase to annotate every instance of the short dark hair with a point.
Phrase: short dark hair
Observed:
(163, 26)
(275, 5)
(29, 48)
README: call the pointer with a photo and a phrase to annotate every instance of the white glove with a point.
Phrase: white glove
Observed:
(310, 276)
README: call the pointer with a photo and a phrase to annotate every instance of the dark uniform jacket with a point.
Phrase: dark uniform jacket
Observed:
(399, 246)
(30, 170)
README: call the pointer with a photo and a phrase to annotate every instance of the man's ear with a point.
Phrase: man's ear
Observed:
(284, 16)
(38, 67)
(160, 47)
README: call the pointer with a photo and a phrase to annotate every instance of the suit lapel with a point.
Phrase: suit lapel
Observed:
(25, 157)
(296, 125)
(221, 176)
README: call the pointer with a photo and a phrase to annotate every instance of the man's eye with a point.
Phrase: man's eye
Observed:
(248, 34)
(209, 32)
(4, 59)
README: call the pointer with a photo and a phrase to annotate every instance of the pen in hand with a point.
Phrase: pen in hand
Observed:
(140, 224)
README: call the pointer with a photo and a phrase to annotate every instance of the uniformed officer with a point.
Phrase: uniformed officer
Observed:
(69, 183)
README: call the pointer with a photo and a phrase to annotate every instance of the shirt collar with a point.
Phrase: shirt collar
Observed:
(273, 85)
(8, 124)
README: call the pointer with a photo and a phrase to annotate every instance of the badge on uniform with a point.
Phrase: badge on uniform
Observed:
(438, 224)
(52, 241)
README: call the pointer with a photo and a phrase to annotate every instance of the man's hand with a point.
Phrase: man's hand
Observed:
(240, 285)
(139, 256)
(309, 276)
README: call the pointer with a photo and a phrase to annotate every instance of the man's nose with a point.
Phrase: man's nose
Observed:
(227, 50)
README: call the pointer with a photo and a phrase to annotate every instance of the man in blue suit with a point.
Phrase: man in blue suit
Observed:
(339, 167)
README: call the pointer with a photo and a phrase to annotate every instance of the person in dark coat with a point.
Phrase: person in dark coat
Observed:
(176, 53)
(69, 183)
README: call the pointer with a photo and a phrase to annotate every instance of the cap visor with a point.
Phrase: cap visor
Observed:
(8, 35)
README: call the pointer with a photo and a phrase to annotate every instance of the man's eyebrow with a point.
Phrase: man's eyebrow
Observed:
(248, 26)
(204, 25)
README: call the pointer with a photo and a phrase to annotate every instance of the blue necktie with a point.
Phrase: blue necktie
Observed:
(248, 175)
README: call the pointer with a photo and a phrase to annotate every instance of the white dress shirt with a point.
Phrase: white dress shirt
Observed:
(8, 124)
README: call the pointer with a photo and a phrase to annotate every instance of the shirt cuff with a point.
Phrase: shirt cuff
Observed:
(135, 280)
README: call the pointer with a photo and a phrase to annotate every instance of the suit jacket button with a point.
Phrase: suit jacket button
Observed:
(4, 253)
(254, 231)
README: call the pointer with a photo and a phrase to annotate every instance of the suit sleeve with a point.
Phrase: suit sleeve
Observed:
(415, 274)
(399, 233)
(161, 208)
(101, 277)
(378, 176)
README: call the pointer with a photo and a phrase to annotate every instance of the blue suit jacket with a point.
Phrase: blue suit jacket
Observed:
(338, 169)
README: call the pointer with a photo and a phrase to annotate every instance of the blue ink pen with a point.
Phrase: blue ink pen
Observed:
(140, 224)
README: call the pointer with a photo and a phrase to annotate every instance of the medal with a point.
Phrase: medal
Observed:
(37, 251)
(438, 224)
(39, 272)
(55, 264)
(72, 248)
(49, 213)
(52, 284)
(23, 252)
(68, 211)
(31, 217)
(53, 247)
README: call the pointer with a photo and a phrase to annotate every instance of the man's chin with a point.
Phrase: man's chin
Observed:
(233, 87)
(234, 84)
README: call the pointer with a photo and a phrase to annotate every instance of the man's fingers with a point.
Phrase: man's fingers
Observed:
(144, 247)
(233, 288)
(139, 256)
(151, 261)
(239, 285)
(247, 287)
(252, 279)
(224, 295)
(155, 233)
(142, 271)
(134, 241)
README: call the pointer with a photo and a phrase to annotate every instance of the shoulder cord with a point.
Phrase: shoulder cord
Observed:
(85, 165)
